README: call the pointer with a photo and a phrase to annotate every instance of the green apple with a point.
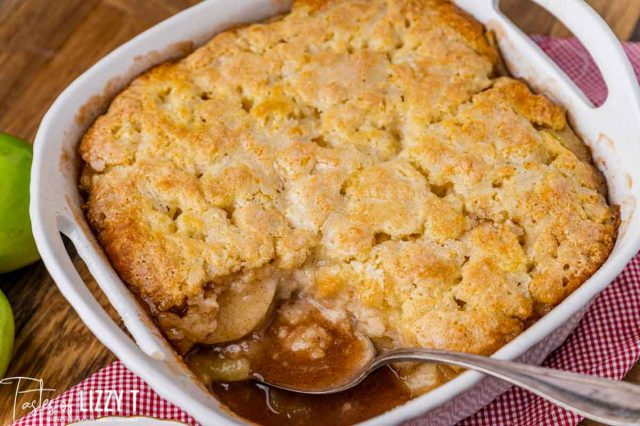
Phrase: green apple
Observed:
(6, 334)
(17, 247)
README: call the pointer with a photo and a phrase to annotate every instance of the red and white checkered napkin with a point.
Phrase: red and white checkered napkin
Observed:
(605, 343)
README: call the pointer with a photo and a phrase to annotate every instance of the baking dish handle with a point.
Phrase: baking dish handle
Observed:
(161, 373)
(119, 296)
(74, 289)
(525, 59)
(586, 24)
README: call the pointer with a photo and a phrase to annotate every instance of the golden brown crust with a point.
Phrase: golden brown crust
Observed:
(363, 153)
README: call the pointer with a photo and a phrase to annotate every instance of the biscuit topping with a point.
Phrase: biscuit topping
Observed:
(364, 155)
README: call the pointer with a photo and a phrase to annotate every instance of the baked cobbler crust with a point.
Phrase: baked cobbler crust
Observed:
(367, 155)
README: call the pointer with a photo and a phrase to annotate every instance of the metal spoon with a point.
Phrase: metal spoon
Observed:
(614, 403)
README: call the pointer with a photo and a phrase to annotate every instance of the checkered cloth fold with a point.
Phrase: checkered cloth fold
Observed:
(605, 343)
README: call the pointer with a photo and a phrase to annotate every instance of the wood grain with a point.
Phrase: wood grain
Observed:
(44, 45)
(621, 15)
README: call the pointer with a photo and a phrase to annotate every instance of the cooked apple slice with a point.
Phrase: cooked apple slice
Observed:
(209, 368)
(243, 307)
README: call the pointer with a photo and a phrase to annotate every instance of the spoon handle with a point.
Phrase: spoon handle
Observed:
(615, 403)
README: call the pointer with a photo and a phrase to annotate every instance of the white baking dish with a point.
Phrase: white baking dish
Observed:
(612, 131)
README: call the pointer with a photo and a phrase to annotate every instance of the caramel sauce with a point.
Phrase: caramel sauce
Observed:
(342, 359)
(264, 405)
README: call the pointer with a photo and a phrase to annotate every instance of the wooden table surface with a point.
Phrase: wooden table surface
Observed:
(44, 45)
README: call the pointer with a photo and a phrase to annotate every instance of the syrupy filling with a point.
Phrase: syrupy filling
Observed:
(304, 346)
(265, 405)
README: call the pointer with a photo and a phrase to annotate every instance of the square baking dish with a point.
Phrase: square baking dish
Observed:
(612, 130)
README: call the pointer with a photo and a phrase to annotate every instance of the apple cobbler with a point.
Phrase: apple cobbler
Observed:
(355, 169)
